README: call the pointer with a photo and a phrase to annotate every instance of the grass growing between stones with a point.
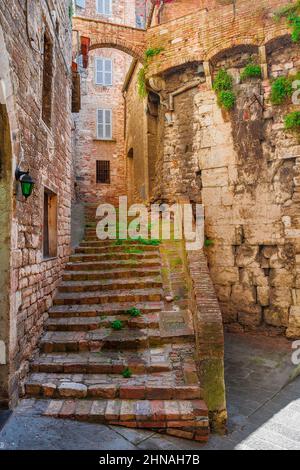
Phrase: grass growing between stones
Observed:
(117, 325)
(127, 373)
(134, 312)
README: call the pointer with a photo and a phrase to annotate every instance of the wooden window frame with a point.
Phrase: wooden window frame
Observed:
(49, 224)
(105, 170)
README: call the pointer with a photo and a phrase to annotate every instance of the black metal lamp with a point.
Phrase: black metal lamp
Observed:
(27, 183)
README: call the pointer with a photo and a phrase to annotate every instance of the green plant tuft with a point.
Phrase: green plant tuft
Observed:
(223, 86)
(127, 373)
(153, 242)
(223, 81)
(208, 242)
(292, 121)
(251, 71)
(282, 89)
(226, 99)
(134, 312)
(117, 325)
(134, 251)
(141, 78)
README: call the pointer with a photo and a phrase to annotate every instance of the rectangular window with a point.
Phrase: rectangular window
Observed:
(80, 3)
(50, 224)
(103, 172)
(47, 80)
(104, 124)
(104, 7)
(103, 71)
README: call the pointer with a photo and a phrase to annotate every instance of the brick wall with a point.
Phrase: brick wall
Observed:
(33, 279)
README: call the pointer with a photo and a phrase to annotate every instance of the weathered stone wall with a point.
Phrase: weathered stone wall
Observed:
(242, 165)
(47, 154)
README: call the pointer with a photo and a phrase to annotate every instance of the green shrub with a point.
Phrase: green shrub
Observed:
(226, 99)
(134, 312)
(223, 86)
(127, 373)
(281, 90)
(251, 71)
(117, 325)
(292, 121)
(223, 81)
(153, 51)
(292, 15)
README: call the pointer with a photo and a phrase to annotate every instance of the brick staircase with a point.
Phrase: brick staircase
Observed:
(81, 366)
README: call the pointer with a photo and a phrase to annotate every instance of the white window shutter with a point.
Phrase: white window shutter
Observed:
(107, 5)
(99, 71)
(108, 124)
(100, 124)
(100, 6)
(107, 72)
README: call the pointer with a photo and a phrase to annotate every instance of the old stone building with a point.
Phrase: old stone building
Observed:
(35, 129)
(242, 165)
(173, 101)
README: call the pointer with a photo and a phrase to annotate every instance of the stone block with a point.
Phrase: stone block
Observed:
(246, 255)
(242, 294)
(293, 330)
(72, 389)
(263, 296)
(276, 316)
(216, 177)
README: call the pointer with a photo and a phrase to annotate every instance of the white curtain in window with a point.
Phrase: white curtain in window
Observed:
(104, 7)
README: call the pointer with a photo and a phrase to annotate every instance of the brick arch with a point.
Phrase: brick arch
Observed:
(117, 36)
(123, 46)
(230, 44)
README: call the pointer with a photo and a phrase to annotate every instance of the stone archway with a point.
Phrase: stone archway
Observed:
(7, 126)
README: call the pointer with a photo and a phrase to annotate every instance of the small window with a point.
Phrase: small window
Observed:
(50, 224)
(80, 3)
(103, 172)
(104, 124)
(104, 7)
(47, 80)
(103, 71)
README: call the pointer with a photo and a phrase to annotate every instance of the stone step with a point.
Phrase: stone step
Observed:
(110, 362)
(110, 284)
(94, 249)
(111, 264)
(110, 309)
(161, 385)
(114, 243)
(181, 418)
(110, 273)
(109, 256)
(96, 340)
(99, 297)
(94, 323)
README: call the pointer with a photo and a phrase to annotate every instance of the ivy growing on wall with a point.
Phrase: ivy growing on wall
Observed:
(292, 15)
(141, 79)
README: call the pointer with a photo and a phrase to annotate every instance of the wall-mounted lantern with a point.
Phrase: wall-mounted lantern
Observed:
(27, 183)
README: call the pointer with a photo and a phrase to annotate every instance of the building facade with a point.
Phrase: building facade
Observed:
(100, 163)
(35, 128)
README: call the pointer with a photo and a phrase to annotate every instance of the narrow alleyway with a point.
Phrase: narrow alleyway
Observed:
(114, 352)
